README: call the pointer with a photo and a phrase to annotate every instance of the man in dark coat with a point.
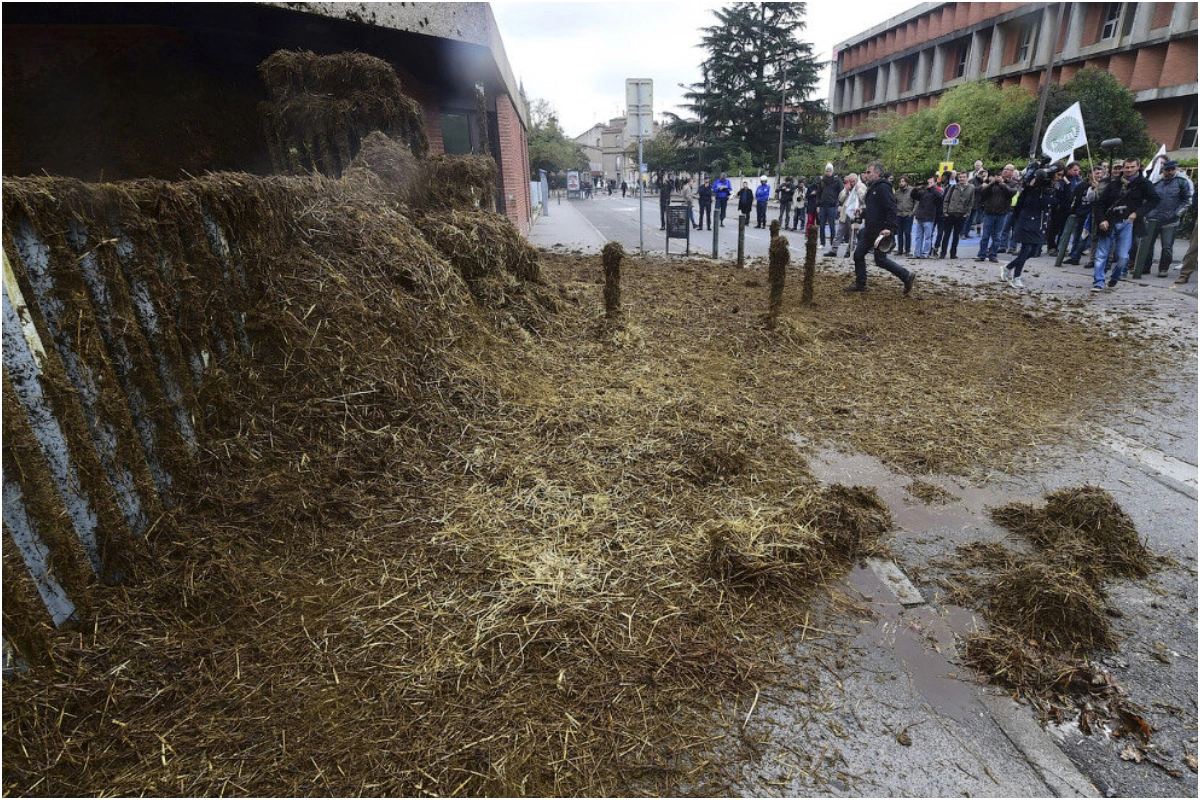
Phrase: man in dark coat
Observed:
(1121, 212)
(827, 206)
(664, 200)
(879, 220)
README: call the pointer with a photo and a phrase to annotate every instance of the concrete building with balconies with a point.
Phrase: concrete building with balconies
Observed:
(904, 64)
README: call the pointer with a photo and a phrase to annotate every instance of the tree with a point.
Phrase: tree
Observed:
(912, 144)
(660, 154)
(755, 61)
(1108, 112)
(549, 148)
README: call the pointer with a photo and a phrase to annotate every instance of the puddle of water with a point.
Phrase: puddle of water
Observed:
(923, 644)
(966, 507)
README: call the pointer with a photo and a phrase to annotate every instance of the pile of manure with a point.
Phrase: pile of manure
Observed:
(1088, 517)
(1046, 610)
(420, 558)
(800, 546)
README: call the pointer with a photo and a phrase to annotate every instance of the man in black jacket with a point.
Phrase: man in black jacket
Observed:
(827, 207)
(1121, 213)
(879, 220)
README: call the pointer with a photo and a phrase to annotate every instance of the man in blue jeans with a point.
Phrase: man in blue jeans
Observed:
(827, 206)
(996, 204)
(1121, 210)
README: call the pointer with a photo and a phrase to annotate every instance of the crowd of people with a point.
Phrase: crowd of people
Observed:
(1063, 209)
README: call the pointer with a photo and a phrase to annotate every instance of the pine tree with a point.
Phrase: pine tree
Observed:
(752, 50)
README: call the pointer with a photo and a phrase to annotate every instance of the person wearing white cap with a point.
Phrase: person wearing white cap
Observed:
(761, 195)
(878, 227)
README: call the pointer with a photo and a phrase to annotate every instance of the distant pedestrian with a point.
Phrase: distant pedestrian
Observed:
(958, 204)
(831, 187)
(929, 200)
(687, 198)
(624, 187)
(705, 196)
(722, 189)
(664, 200)
(761, 195)
(906, 204)
(996, 202)
(812, 204)
(879, 225)
(786, 193)
(745, 201)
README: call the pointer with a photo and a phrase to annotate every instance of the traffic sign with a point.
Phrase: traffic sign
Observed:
(949, 142)
(953, 130)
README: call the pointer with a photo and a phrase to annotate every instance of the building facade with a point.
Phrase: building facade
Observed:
(115, 91)
(606, 148)
(904, 64)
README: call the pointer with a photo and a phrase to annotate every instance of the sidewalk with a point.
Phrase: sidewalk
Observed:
(564, 226)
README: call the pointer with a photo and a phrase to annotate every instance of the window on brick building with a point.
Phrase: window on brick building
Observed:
(1188, 139)
(1112, 21)
(1026, 39)
(456, 134)
(908, 74)
(960, 68)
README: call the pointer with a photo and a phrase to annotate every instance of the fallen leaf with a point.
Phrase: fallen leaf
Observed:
(1132, 723)
(1132, 753)
(904, 739)
(1190, 760)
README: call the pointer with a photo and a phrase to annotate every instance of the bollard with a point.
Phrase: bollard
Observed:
(716, 229)
(611, 257)
(741, 241)
(778, 257)
(810, 264)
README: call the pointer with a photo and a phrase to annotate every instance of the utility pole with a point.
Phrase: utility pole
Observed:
(782, 106)
(1041, 112)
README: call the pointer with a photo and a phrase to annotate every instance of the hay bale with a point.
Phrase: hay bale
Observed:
(750, 556)
(481, 245)
(1051, 605)
(390, 161)
(851, 519)
(454, 182)
(323, 107)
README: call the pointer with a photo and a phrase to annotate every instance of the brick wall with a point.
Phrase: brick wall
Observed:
(1148, 68)
(514, 164)
(1164, 120)
(1179, 66)
(1162, 15)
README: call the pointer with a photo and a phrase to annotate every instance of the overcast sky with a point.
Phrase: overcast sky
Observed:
(578, 55)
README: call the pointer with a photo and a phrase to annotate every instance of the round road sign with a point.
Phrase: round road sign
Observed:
(953, 130)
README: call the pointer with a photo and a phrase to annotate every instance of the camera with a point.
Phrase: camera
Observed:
(1037, 168)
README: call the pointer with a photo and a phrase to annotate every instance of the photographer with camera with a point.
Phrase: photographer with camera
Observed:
(996, 202)
(1121, 210)
(1031, 215)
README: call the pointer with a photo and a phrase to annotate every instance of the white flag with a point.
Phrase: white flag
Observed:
(1064, 134)
(1159, 157)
